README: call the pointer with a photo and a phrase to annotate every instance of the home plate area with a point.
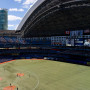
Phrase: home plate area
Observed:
(10, 88)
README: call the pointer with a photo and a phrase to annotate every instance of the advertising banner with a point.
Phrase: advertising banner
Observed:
(69, 42)
(67, 32)
(76, 33)
(87, 42)
(87, 32)
(79, 42)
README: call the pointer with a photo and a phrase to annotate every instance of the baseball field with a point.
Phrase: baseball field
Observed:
(43, 75)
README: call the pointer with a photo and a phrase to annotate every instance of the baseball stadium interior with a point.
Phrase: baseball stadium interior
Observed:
(52, 29)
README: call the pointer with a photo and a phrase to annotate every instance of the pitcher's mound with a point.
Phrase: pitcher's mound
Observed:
(9, 88)
(20, 74)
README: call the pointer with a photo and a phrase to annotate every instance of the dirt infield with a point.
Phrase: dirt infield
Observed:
(7, 61)
(35, 59)
(1, 79)
(9, 88)
(32, 59)
(21, 59)
(20, 74)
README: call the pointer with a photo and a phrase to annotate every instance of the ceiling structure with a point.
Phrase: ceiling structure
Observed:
(54, 17)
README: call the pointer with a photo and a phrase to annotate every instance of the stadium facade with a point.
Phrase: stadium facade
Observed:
(3, 19)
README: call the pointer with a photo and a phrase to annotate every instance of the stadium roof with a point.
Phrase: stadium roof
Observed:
(53, 17)
(31, 9)
(29, 12)
(10, 33)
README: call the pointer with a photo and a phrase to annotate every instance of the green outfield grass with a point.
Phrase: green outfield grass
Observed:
(45, 75)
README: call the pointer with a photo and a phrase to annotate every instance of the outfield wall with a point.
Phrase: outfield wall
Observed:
(48, 54)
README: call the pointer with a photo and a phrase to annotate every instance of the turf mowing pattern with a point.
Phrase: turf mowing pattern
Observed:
(44, 75)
